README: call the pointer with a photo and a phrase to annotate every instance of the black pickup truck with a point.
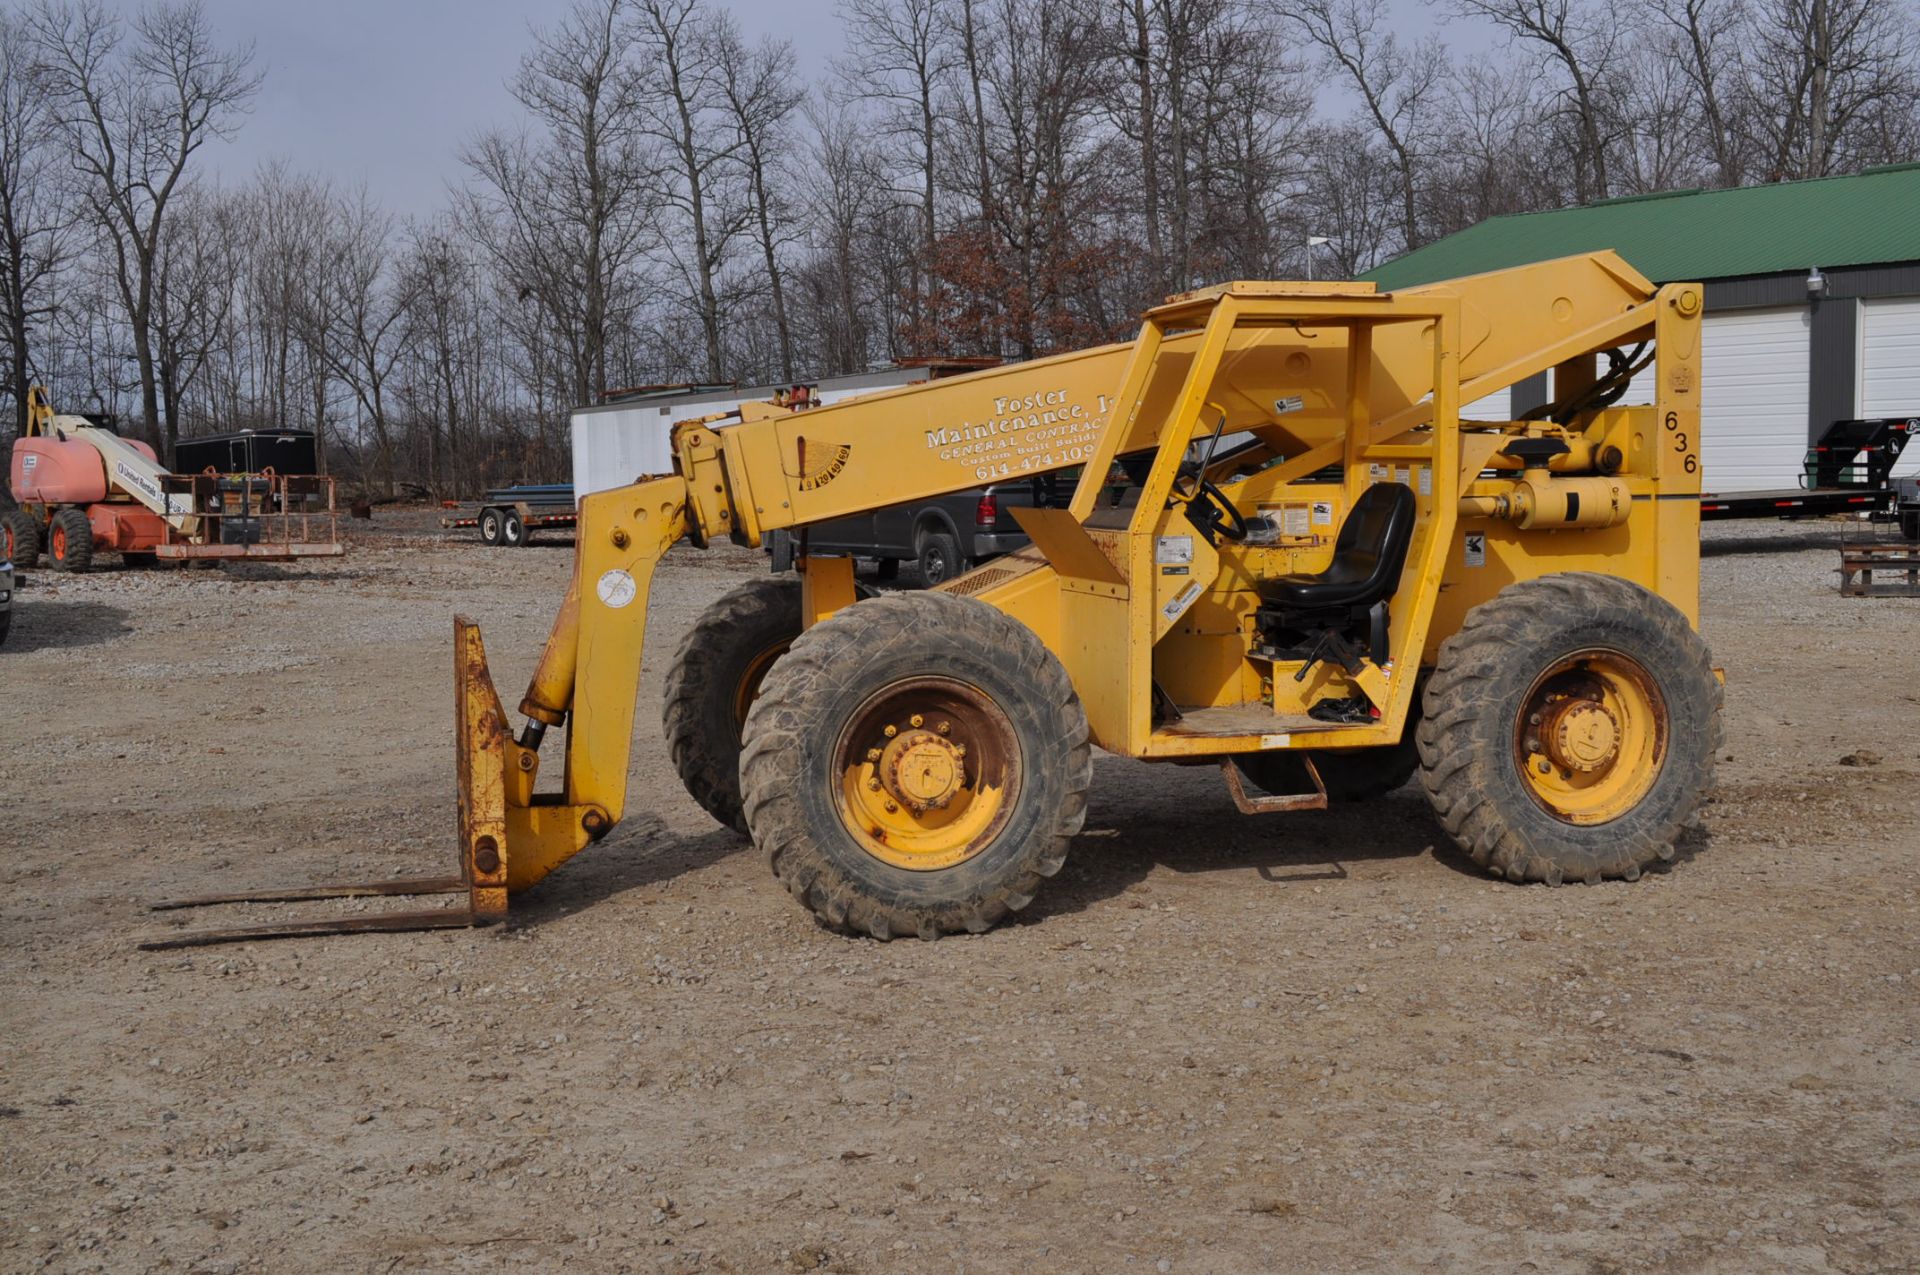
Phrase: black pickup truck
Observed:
(943, 535)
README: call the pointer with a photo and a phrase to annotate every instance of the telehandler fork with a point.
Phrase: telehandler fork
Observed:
(1321, 580)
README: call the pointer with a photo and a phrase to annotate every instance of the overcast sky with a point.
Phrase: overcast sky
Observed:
(385, 91)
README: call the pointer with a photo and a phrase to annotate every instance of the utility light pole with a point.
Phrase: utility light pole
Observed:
(1314, 241)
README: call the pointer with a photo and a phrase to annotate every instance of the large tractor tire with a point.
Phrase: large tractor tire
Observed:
(20, 538)
(714, 678)
(1570, 730)
(715, 675)
(70, 541)
(916, 764)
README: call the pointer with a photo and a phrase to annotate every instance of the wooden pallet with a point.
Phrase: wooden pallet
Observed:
(1860, 559)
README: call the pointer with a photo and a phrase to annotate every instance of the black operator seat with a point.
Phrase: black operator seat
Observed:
(1367, 556)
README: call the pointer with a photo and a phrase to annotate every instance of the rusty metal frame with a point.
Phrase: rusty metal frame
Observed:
(1274, 803)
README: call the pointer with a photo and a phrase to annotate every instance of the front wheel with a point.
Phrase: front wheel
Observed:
(20, 538)
(1570, 729)
(70, 541)
(490, 527)
(916, 764)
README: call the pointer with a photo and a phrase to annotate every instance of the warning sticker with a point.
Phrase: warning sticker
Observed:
(1293, 521)
(1426, 481)
(1323, 513)
(1177, 607)
(1476, 548)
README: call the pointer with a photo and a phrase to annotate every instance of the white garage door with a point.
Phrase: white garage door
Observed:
(1890, 365)
(1753, 399)
(1494, 407)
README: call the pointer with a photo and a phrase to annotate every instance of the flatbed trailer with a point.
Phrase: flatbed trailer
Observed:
(1849, 471)
(508, 516)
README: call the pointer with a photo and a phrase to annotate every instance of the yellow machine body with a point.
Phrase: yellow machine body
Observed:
(1342, 386)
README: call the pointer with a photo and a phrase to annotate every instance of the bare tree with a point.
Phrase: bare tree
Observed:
(567, 215)
(1703, 40)
(1820, 70)
(1397, 84)
(899, 58)
(193, 295)
(761, 97)
(1583, 44)
(133, 115)
(363, 321)
(35, 225)
(686, 114)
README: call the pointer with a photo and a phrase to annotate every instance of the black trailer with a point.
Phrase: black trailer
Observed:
(1849, 471)
(249, 451)
(510, 515)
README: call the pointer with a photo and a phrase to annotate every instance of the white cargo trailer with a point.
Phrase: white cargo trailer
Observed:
(614, 443)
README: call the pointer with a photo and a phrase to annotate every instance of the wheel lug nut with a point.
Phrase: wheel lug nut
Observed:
(915, 720)
(1546, 767)
(946, 727)
(1533, 719)
(873, 754)
(892, 808)
(959, 750)
(891, 731)
(874, 784)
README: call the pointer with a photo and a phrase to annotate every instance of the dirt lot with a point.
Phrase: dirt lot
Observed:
(1310, 1042)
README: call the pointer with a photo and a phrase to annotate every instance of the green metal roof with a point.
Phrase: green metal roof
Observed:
(1869, 219)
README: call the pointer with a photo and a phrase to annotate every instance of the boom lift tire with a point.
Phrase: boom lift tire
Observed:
(714, 677)
(1570, 729)
(939, 557)
(22, 532)
(491, 527)
(916, 764)
(70, 541)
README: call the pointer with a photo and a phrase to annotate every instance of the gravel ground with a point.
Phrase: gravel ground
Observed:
(1309, 1042)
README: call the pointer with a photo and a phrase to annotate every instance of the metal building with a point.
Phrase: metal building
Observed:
(1812, 303)
(617, 441)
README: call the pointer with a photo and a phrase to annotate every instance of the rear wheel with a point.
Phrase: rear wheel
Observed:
(1571, 726)
(939, 557)
(513, 531)
(491, 526)
(21, 532)
(916, 764)
(70, 541)
(714, 678)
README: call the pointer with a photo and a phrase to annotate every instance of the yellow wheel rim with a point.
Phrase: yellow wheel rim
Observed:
(748, 689)
(1591, 736)
(929, 771)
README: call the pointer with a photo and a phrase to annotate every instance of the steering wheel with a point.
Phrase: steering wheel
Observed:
(1214, 514)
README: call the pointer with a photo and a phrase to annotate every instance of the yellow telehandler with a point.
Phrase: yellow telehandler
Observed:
(1318, 578)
